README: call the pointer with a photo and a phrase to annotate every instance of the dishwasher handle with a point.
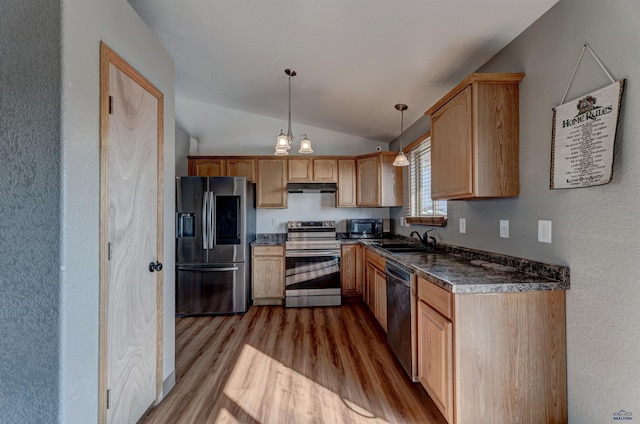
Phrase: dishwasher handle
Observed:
(398, 275)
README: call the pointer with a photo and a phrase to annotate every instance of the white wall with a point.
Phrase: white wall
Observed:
(312, 207)
(182, 150)
(596, 230)
(223, 131)
(84, 24)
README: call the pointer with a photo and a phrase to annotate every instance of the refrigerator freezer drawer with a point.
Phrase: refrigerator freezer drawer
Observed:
(213, 290)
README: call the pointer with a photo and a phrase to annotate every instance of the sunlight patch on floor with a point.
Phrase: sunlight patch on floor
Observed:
(286, 396)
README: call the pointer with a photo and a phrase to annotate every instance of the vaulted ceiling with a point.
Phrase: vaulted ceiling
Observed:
(355, 59)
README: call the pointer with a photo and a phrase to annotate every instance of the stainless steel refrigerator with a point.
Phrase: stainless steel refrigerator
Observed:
(215, 223)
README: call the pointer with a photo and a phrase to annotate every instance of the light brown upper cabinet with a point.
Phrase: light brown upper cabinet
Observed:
(272, 183)
(299, 170)
(242, 167)
(312, 170)
(346, 194)
(475, 139)
(206, 166)
(379, 183)
(325, 170)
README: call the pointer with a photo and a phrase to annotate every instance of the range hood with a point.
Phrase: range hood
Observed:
(312, 187)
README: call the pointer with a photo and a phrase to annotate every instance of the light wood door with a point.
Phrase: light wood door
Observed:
(368, 181)
(346, 194)
(242, 168)
(300, 170)
(272, 183)
(325, 170)
(435, 358)
(132, 164)
(452, 148)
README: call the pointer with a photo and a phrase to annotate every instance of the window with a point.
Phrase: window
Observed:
(422, 209)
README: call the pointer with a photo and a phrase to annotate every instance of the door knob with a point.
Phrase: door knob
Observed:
(155, 266)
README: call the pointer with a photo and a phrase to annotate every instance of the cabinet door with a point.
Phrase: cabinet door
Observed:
(346, 194)
(350, 273)
(324, 170)
(435, 358)
(452, 148)
(242, 168)
(207, 167)
(370, 287)
(268, 267)
(381, 298)
(368, 182)
(300, 170)
(272, 183)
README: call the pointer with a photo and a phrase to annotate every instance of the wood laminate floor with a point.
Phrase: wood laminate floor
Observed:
(298, 365)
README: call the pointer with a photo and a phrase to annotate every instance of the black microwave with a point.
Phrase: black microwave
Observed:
(365, 228)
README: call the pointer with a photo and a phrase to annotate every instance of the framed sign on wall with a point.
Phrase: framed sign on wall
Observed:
(584, 132)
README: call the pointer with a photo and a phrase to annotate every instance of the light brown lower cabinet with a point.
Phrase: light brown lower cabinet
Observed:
(376, 286)
(435, 357)
(351, 270)
(494, 357)
(267, 275)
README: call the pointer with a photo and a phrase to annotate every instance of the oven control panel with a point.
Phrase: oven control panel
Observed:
(311, 224)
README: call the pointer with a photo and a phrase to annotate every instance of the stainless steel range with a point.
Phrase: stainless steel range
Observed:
(313, 264)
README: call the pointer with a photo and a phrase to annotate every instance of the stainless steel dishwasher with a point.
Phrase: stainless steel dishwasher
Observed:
(401, 334)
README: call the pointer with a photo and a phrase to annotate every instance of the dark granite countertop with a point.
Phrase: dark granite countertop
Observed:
(461, 270)
(270, 239)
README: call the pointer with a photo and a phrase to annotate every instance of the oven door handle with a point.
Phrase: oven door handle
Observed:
(310, 253)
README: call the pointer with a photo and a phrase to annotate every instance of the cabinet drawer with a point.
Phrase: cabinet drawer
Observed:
(268, 251)
(436, 297)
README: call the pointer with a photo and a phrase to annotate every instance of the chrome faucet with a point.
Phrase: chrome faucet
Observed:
(425, 239)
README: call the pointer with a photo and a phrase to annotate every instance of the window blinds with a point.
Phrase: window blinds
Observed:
(420, 186)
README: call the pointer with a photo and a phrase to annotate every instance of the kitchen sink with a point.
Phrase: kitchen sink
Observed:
(395, 245)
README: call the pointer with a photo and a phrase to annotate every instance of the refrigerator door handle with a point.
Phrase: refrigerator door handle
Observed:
(205, 246)
(228, 268)
(211, 223)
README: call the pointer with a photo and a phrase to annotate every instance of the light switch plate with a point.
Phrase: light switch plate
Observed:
(463, 225)
(544, 231)
(504, 228)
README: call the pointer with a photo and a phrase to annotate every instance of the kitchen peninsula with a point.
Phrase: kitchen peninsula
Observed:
(490, 333)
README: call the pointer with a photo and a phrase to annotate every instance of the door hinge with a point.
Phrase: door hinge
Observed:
(110, 105)
(109, 251)
(108, 398)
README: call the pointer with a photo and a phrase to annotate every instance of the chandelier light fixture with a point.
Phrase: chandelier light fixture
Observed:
(401, 159)
(284, 142)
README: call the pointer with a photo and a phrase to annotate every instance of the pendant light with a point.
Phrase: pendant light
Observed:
(284, 141)
(401, 159)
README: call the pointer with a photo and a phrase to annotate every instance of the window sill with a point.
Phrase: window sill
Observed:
(434, 221)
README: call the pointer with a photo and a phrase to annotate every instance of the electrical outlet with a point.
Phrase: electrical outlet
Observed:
(463, 225)
(504, 228)
(544, 231)
(274, 222)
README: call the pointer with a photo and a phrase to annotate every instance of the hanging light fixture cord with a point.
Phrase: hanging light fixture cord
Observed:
(291, 73)
(401, 159)
(284, 142)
